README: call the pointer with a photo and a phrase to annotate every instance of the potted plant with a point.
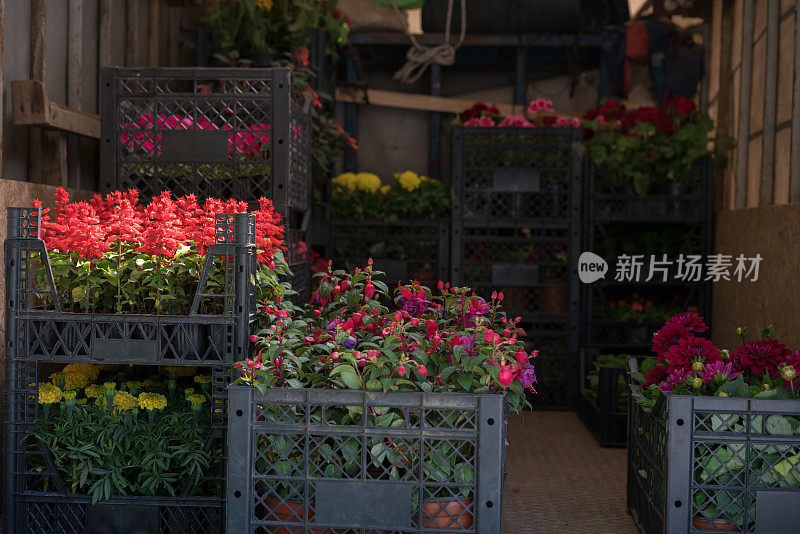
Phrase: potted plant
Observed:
(430, 342)
(736, 412)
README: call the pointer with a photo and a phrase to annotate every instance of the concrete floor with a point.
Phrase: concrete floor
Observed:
(560, 480)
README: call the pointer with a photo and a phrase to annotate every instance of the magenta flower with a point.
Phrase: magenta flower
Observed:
(762, 355)
(719, 371)
(477, 307)
(480, 121)
(689, 320)
(516, 121)
(690, 350)
(668, 336)
(674, 379)
(414, 303)
(527, 375)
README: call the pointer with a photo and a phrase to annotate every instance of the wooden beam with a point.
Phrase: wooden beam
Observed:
(394, 99)
(54, 160)
(31, 108)
(746, 86)
(104, 45)
(38, 20)
(75, 81)
(2, 80)
(766, 190)
(132, 33)
(725, 111)
(152, 33)
(794, 173)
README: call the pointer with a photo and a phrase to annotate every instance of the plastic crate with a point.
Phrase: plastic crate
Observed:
(516, 177)
(404, 249)
(700, 464)
(38, 331)
(292, 469)
(298, 259)
(604, 411)
(242, 134)
(36, 499)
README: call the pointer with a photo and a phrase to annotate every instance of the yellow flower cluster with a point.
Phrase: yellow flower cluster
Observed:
(149, 383)
(91, 372)
(124, 401)
(409, 180)
(94, 390)
(363, 181)
(152, 401)
(69, 395)
(49, 393)
(109, 387)
(202, 379)
(129, 385)
(196, 400)
(75, 381)
(266, 5)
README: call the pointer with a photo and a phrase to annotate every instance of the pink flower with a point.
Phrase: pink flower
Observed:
(674, 379)
(516, 121)
(540, 104)
(505, 376)
(719, 370)
(480, 121)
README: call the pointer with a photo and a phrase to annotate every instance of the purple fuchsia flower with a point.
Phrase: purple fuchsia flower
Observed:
(477, 307)
(719, 371)
(674, 379)
(668, 336)
(691, 350)
(465, 341)
(762, 355)
(414, 303)
(527, 376)
(689, 320)
(349, 342)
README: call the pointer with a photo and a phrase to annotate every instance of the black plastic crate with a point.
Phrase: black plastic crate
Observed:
(37, 500)
(516, 177)
(603, 406)
(298, 258)
(700, 464)
(292, 469)
(226, 133)
(556, 365)
(404, 249)
(37, 329)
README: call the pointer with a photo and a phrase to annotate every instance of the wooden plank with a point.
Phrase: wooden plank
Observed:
(38, 18)
(725, 95)
(794, 186)
(152, 33)
(54, 160)
(743, 131)
(74, 80)
(173, 35)
(394, 99)
(31, 108)
(766, 191)
(104, 46)
(2, 81)
(132, 33)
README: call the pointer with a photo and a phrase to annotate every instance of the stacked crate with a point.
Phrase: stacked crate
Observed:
(225, 133)
(672, 220)
(39, 334)
(516, 229)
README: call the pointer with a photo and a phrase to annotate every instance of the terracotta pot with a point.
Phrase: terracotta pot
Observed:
(553, 296)
(440, 514)
(718, 525)
(290, 511)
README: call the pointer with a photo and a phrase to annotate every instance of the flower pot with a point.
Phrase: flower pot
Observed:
(553, 296)
(717, 525)
(440, 513)
(291, 511)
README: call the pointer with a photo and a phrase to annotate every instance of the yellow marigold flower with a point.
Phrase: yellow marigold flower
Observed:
(196, 399)
(83, 400)
(88, 370)
(109, 385)
(385, 189)
(202, 379)
(125, 401)
(424, 178)
(266, 5)
(132, 384)
(75, 381)
(346, 180)
(94, 390)
(152, 401)
(49, 394)
(149, 383)
(366, 181)
(70, 395)
(408, 180)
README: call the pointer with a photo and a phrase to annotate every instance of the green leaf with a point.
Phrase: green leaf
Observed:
(350, 379)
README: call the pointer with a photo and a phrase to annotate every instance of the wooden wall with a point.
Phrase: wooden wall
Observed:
(76, 38)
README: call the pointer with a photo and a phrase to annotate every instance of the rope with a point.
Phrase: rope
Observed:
(419, 57)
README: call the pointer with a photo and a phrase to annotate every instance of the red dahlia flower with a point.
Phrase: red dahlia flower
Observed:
(691, 350)
(668, 336)
(762, 355)
(689, 320)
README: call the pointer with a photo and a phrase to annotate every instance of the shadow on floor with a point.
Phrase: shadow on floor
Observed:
(560, 481)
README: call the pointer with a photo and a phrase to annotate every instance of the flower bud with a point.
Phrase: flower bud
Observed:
(401, 371)
(724, 354)
(722, 394)
(506, 332)
(334, 355)
(697, 383)
(317, 313)
(421, 369)
(788, 373)
(253, 338)
(436, 340)
(362, 362)
(697, 366)
(766, 387)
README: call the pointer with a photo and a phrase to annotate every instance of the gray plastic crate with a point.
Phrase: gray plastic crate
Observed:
(244, 134)
(700, 464)
(290, 468)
